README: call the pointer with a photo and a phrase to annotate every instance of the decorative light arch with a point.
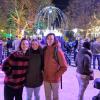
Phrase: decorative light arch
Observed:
(52, 18)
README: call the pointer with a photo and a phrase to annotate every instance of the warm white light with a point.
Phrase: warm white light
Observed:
(22, 32)
(2, 30)
(56, 32)
(34, 36)
(50, 10)
(38, 31)
(75, 30)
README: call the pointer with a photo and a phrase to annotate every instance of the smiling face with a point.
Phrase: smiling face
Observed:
(24, 45)
(50, 40)
(35, 45)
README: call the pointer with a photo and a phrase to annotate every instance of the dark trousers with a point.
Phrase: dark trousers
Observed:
(11, 93)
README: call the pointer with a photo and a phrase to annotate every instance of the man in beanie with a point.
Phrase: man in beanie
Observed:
(83, 63)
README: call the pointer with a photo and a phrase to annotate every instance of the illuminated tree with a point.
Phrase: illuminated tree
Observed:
(21, 12)
(94, 27)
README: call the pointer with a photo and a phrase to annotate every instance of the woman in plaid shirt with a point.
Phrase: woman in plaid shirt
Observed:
(15, 67)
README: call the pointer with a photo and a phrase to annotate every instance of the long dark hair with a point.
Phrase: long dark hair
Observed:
(23, 39)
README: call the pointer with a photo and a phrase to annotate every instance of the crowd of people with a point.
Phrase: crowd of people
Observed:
(30, 64)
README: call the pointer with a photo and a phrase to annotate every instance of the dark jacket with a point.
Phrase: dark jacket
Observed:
(83, 61)
(34, 77)
(1, 49)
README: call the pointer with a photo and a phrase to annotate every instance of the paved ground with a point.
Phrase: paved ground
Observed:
(70, 87)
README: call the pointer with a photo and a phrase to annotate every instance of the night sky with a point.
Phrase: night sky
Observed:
(61, 4)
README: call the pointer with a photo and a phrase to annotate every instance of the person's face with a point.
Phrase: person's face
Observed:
(25, 45)
(35, 45)
(50, 40)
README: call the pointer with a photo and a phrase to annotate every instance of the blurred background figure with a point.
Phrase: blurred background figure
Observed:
(9, 46)
(16, 43)
(95, 47)
(83, 63)
(1, 50)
